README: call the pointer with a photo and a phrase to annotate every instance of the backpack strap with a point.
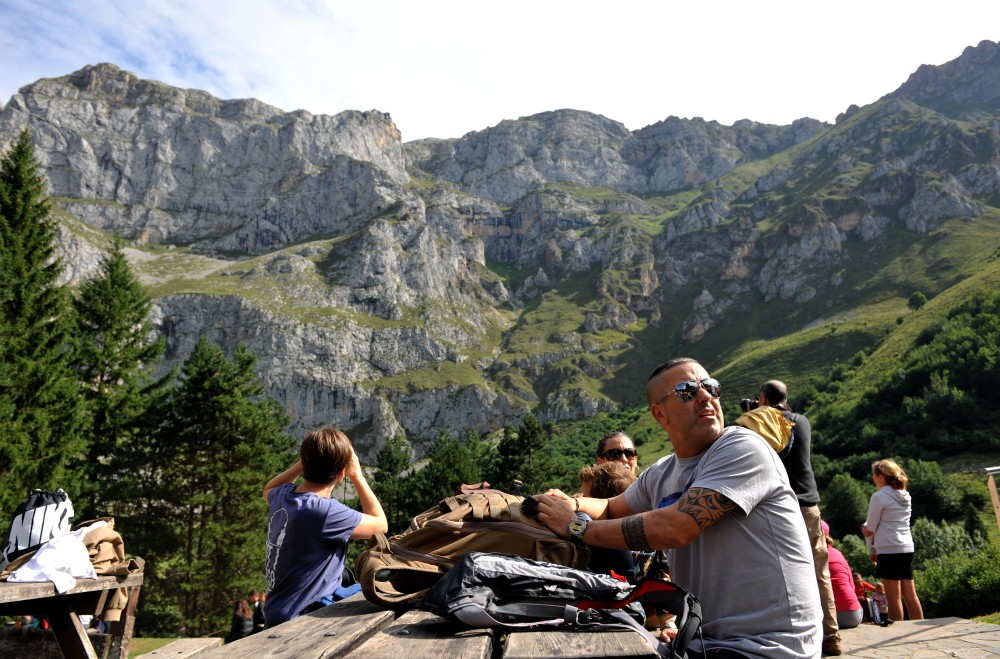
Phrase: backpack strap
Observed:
(666, 595)
(580, 618)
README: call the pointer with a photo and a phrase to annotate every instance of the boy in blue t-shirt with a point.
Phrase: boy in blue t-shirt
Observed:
(308, 530)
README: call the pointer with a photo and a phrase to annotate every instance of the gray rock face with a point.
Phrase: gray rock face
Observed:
(159, 164)
(408, 289)
(966, 87)
(505, 162)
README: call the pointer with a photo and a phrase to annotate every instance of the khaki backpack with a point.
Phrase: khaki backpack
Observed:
(397, 572)
(771, 424)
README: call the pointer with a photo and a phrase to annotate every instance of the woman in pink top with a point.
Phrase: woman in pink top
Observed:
(842, 579)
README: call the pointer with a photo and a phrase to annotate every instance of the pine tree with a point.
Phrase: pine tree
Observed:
(115, 359)
(389, 484)
(198, 513)
(450, 462)
(43, 426)
(522, 456)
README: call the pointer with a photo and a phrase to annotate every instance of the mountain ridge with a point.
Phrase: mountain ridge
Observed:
(542, 264)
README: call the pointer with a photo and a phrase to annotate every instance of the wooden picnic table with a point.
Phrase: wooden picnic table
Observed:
(63, 610)
(357, 629)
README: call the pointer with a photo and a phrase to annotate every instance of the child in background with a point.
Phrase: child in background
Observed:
(604, 481)
(864, 590)
(882, 602)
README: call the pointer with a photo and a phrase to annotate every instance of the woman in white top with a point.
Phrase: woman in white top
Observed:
(890, 544)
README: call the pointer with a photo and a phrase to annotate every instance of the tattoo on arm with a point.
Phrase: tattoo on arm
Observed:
(704, 506)
(634, 532)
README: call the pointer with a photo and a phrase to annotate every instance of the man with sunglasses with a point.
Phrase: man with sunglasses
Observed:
(723, 508)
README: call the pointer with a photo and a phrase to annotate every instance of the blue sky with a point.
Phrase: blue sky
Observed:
(444, 68)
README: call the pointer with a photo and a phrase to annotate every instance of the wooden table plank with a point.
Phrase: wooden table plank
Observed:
(19, 592)
(575, 643)
(424, 635)
(329, 632)
(183, 648)
(63, 609)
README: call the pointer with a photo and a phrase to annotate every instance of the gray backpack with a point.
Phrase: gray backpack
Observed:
(498, 590)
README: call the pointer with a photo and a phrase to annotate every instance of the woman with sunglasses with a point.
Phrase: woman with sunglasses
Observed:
(616, 445)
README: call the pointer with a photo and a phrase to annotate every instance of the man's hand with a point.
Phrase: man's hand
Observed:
(559, 494)
(556, 512)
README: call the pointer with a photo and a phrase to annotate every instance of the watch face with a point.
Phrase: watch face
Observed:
(577, 527)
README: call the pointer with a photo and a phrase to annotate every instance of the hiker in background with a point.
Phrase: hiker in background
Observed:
(798, 464)
(242, 622)
(308, 529)
(849, 613)
(891, 544)
(722, 505)
(616, 445)
(256, 599)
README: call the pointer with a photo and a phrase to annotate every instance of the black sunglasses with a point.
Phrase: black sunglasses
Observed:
(617, 453)
(687, 390)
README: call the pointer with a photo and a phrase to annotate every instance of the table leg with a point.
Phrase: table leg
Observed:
(70, 634)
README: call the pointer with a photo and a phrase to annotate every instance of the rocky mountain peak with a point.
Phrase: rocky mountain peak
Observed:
(532, 265)
(965, 87)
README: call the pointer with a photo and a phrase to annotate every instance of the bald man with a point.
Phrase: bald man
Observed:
(722, 507)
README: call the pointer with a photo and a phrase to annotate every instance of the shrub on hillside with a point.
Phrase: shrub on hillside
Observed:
(963, 586)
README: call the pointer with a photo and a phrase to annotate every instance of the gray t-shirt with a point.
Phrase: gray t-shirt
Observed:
(753, 569)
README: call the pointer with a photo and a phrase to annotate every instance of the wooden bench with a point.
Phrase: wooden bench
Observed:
(329, 632)
(63, 610)
(357, 629)
(183, 648)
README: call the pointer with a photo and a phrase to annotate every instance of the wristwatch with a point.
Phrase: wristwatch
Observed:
(577, 528)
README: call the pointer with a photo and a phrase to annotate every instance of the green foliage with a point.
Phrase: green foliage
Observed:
(192, 503)
(941, 398)
(43, 427)
(522, 456)
(934, 496)
(962, 585)
(573, 444)
(404, 493)
(845, 506)
(939, 542)
(451, 462)
(389, 486)
(115, 358)
(916, 301)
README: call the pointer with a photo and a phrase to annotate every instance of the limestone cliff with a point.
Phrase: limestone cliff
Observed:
(542, 264)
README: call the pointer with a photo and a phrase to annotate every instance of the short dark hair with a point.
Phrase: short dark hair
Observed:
(669, 364)
(325, 453)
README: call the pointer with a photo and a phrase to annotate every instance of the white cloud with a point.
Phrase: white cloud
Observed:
(443, 68)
